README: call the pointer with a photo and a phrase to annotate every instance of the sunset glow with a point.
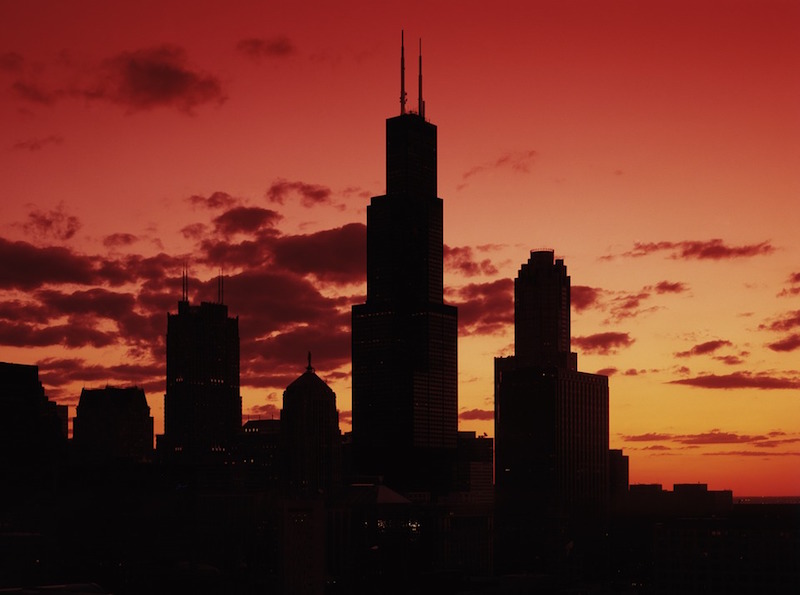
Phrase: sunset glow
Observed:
(654, 146)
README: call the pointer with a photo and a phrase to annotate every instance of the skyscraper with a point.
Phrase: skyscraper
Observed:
(551, 423)
(311, 438)
(202, 405)
(404, 337)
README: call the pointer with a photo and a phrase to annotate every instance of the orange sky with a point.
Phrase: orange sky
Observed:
(653, 145)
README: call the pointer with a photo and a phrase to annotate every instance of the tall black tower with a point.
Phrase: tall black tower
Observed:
(202, 405)
(405, 402)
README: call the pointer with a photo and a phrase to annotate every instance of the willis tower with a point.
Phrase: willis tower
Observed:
(405, 398)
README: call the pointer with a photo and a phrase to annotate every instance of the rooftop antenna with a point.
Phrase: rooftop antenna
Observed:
(402, 74)
(421, 107)
(309, 368)
(219, 287)
(185, 284)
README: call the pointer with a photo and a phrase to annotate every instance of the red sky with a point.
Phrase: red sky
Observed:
(653, 145)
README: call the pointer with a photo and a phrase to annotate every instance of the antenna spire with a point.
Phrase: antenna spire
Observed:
(220, 288)
(402, 73)
(184, 284)
(421, 107)
(309, 368)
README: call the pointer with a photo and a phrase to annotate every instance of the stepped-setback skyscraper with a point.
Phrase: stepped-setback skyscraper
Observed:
(551, 426)
(405, 407)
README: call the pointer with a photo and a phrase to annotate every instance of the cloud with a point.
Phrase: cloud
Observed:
(737, 380)
(265, 411)
(24, 266)
(606, 371)
(484, 308)
(789, 343)
(245, 220)
(338, 255)
(704, 348)
(37, 144)
(116, 240)
(670, 287)
(649, 437)
(787, 322)
(603, 343)
(55, 223)
(261, 47)
(583, 297)
(462, 259)
(517, 161)
(309, 194)
(729, 360)
(715, 249)
(477, 414)
(154, 77)
(217, 200)
(35, 93)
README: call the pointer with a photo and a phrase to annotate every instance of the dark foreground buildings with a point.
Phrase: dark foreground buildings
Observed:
(405, 402)
(551, 429)
(113, 424)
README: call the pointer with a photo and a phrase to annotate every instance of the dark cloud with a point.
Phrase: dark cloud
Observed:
(346, 417)
(729, 360)
(517, 161)
(649, 437)
(337, 255)
(24, 266)
(217, 200)
(155, 77)
(35, 93)
(260, 47)
(309, 194)
(607, 371)
(787, 322)
(24, 334)
(789, 343)
(265, 411)
(55, 223)
(736, 380)
(633, 372)
(37, 144)
(603, 343)
(715, 249)
(462, 259)
(583, 297)
(245, 220)
(194, 231)
(477, 414)
(116, 240)
(704, 348)
(670, 287)
(484, 308)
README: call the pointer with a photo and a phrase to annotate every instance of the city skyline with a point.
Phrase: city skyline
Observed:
(653, 148)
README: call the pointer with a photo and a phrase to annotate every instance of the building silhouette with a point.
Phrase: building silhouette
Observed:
(404, 337)
(113, 424)
(202, 405)
(310, 435)
(551, 426)
(33, 430)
